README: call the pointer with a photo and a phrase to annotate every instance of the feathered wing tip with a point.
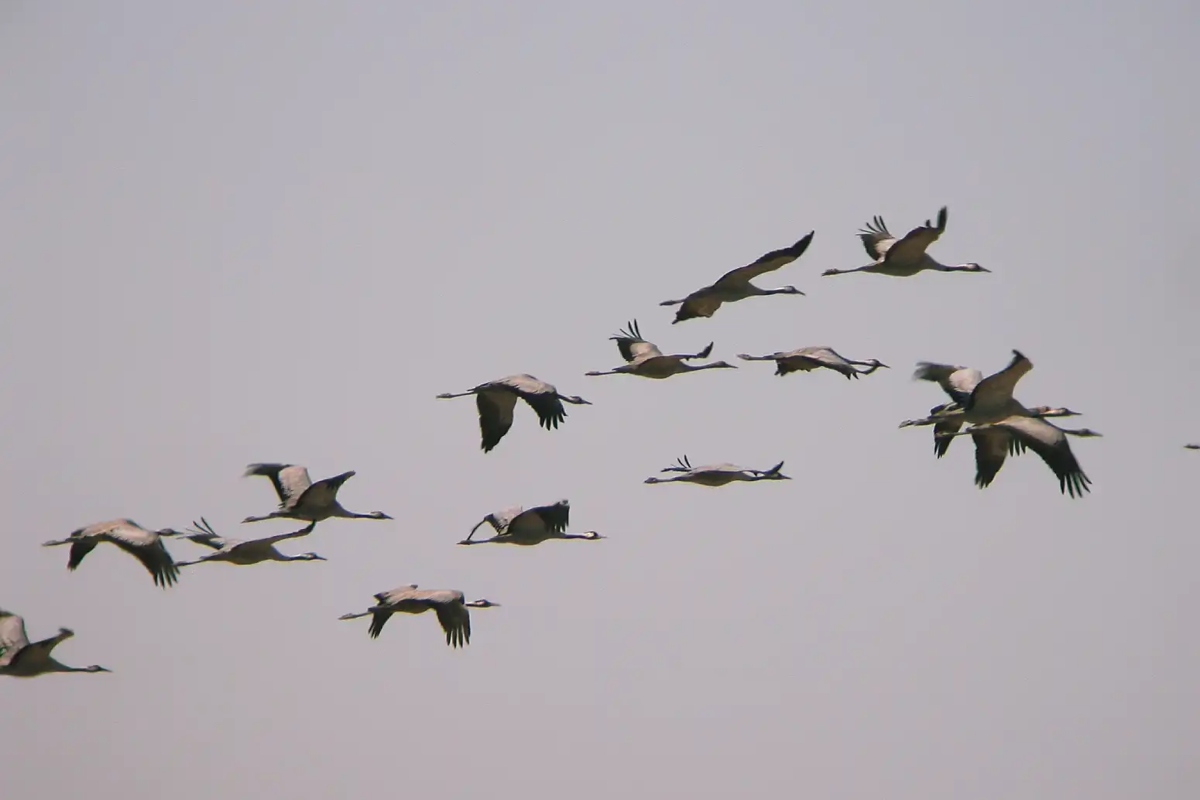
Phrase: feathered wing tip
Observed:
(379, 618)
(630, 331)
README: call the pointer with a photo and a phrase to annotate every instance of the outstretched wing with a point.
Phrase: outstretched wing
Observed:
(765, 263)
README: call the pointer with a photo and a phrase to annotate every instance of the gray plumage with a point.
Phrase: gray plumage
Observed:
(244, 552)
(904, 257)
(807, 359)
(645, 360)
(452, 612)
(144, 545)
(530, 526)
(736, 284)
(717, 474)
(21, 658)
(301, 499)
(496, 400)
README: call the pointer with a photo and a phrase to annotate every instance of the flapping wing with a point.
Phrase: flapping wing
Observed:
(700, 303)
(12, 637)
(495, 415)
(547, 406)
(289, 480)
(555, 517)
(912, 247)
(279, 537)
(153, 555)
(1049, 442)
(957, 382)
(202, 533)
(998, 387)
(876, 238)
(454, 618)
(941, 443)
(991, 449)
(631, 344)
(323, 492)
(766, 263)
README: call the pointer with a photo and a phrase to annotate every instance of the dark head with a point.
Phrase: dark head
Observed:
(790, 290)
(877, 364)
(378, 515)
(96, 668)
(482, 604)
(720, 365)
(591, 536)
(570, 398)
(1086, 433)
(973, 267)
(311, 557)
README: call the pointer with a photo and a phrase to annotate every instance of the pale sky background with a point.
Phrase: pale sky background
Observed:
(236, 232)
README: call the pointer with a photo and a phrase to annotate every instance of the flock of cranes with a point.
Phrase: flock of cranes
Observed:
(983, 407)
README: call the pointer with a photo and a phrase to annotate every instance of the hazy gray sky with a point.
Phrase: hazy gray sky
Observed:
(241, 232)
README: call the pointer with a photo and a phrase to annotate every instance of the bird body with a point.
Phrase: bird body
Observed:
(531, 526)
(19, 658)
(242, 552)
(301, 499)
(645, 360)
(496, 400)
(904, 257)
(807, 359)
(144, 545)
(452, 612)
(717, 474)
(736, 284)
